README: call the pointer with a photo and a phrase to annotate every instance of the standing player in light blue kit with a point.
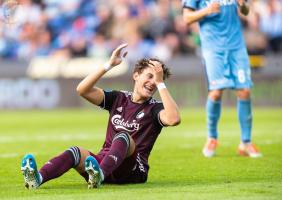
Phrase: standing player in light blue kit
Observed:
(227, 64)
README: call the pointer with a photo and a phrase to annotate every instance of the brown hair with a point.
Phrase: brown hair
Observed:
(144, 63)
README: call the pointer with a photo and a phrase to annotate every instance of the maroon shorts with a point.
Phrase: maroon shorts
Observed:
(131, 170)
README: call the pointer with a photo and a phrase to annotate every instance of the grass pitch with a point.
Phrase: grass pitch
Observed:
(178, 169)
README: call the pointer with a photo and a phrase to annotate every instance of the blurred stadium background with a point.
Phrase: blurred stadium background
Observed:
(47, 46)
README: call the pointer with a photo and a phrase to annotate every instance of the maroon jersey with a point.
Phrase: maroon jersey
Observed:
(141, 121)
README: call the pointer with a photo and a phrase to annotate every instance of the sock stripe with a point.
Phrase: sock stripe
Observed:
(123, 136)
(76, 154)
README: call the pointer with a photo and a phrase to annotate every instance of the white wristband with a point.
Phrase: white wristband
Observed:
(107, 66)
(161, 86)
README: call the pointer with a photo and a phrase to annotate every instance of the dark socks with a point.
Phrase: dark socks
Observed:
(61, 164)
(116, 155)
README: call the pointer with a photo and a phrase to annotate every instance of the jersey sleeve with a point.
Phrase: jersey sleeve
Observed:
(193, 4)
(109, 99)
(156, 114)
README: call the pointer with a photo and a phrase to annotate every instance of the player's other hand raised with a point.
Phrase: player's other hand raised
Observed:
(118, 54)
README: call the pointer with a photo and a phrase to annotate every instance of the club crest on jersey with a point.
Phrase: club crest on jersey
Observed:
(119, 109)
(120, 123)
(140, 114)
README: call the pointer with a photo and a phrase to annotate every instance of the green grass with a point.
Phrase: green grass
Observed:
(178, 169)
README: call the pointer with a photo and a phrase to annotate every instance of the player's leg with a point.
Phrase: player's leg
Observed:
(242, 77)
(122, 146)
(213, 110)
(244, 110)
(218, 73)
(54, 168)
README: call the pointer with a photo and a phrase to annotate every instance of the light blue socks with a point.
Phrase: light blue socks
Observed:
(213, 109)
(244, 110)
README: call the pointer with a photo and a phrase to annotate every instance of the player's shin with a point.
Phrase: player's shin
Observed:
(59, 165)
(244, 109)
(116, 155)
(213, 109)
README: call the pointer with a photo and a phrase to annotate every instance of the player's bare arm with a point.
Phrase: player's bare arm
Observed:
(243, 7)
(170, 115)
(190, 16)
(86, 88)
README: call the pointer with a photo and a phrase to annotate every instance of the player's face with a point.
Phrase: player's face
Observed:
(144, 83)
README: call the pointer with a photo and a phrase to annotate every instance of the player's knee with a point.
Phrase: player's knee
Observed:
(215, 95)
(128, 140)
(123, 136)
(243, 94)
(76, 153)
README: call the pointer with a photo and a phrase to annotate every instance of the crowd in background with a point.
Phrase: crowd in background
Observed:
(79, 28)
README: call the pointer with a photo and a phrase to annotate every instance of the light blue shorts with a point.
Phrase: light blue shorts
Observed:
(227, 69)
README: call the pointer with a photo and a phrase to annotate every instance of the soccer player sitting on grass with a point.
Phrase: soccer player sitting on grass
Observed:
(135, 121)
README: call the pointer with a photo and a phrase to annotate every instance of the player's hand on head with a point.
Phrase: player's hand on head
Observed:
(158, 71)
(118, 54)
(213, 8)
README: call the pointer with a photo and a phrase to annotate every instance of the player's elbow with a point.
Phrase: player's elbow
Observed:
(80, 91)
(177, 121)
(174, 121)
